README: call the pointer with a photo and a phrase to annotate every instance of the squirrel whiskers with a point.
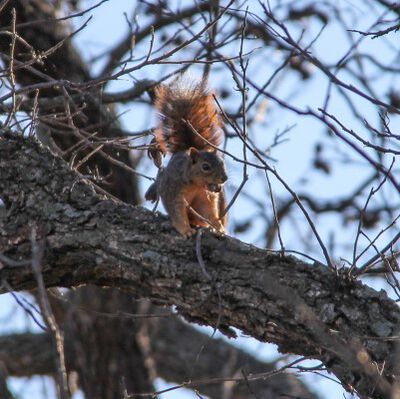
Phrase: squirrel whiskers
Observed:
(191, 185)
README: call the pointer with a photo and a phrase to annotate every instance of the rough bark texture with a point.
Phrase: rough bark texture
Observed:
(304, 309)
(95, 343)
(65, 63)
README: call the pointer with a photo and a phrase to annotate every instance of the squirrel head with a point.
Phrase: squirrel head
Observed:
(207, 169)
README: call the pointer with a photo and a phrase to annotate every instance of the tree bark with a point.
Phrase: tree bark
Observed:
(104, 371)
(65, 63)
(304, 309)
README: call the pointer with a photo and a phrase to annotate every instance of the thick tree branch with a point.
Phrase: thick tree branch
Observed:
(304, 309)
(78, 118)
(29, 354)
(198, 357)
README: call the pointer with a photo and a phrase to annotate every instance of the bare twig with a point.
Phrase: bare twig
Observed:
(48, 316)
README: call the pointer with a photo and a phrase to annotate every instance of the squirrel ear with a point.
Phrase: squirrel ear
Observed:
(194, 154)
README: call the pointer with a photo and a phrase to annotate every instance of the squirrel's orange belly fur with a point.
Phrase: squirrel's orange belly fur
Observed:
(195, 198)
(204, 203)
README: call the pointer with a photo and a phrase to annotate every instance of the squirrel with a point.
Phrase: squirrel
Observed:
(191, 185)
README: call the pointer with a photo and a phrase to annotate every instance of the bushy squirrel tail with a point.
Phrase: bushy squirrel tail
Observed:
(185, 109)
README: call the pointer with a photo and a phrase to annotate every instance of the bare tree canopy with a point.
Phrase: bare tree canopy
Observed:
(308, 94)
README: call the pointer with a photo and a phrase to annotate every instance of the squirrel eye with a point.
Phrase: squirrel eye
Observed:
(206, 167)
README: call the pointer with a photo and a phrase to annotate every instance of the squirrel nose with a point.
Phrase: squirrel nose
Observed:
(224, 178)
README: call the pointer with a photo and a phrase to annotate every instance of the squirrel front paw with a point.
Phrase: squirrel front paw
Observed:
(185, 231)
(188, 233)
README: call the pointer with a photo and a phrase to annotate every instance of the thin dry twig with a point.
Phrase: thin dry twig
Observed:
(48, 316)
